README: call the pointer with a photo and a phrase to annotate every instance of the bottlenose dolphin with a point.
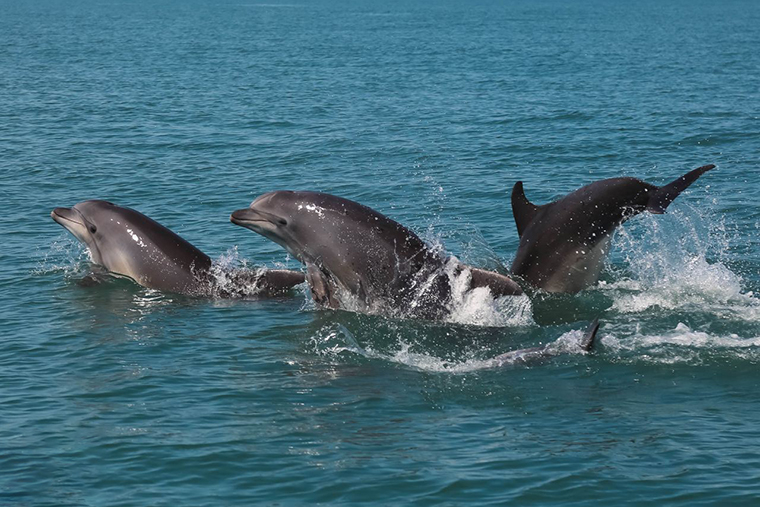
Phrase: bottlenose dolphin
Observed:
(538, 354)
(359, 259)
(563, 244)
(128, 243)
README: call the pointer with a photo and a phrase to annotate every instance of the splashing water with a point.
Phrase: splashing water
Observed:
(681, 344)
(460, 304)
(224, 275)
(676, 270)
(336, 340)
(687, 273)
(478, 307)
(65, 255)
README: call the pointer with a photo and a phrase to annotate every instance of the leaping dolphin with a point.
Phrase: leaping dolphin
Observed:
(563, 244)
(128, 243)
(359, 259)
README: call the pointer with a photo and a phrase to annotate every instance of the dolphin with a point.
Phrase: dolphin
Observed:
(358, 259)
(539, 354)
(130, 244)
(563, 244)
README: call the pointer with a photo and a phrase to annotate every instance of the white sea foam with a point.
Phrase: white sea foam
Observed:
(678, 264)
(233, 276)
(680, 345)
(335, 340)
(478, 307)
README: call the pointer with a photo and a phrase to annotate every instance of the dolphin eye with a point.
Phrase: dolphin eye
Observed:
(93, 229)
(282, 221)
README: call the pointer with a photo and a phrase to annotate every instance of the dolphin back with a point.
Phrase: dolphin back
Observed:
(172, 245)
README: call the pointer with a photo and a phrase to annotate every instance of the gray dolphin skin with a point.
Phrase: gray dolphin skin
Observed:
(563, 244)
(359, 259)
(130, 244)
(540, 354)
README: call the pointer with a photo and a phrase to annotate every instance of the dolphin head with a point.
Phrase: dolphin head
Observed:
(278, 216)
(85, 221)
(128, 243)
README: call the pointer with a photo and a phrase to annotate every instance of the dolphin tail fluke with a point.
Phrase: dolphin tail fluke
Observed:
(587, 343)
(523, 210)
(664, 195)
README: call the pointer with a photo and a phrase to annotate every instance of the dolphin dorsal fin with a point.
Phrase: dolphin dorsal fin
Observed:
(523, 210)
(587, 343)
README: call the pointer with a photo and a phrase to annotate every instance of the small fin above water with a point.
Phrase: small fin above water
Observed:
(523, 210)
(536, 355)
(664, 195)
(587, 343)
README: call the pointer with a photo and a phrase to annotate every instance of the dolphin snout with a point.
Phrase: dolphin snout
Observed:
(57, 212)
(64, 214)
(242, 215)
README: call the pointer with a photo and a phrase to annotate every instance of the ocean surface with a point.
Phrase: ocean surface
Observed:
(429, 112)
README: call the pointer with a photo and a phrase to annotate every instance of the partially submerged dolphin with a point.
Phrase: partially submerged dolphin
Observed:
(563, 244)
(128, 243)
(539, 354)
(359, 259)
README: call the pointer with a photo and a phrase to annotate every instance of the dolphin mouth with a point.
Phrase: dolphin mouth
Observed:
(63, 215)
(268, 225)
(246, 217)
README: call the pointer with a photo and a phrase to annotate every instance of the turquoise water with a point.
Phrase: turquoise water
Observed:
(111, 394)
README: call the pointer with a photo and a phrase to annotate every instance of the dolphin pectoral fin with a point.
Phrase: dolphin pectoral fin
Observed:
(279, 281)
(587, 343)
(283, 277)
(500, 285)
(523, 210)
(321, 289)
(664, 195)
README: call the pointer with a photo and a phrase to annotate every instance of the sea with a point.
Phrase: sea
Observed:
(429, 112)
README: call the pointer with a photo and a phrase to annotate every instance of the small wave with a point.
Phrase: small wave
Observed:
(568, 343)
(680, 345)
